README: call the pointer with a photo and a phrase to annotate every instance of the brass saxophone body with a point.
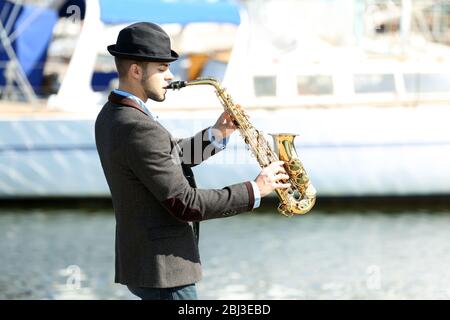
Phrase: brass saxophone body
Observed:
(301, 196)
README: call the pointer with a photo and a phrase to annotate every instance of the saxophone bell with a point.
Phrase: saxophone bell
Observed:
(301, 197)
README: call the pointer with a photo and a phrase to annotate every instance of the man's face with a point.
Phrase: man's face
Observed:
(156, 75)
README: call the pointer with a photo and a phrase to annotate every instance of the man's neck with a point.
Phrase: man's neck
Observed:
(133, 91)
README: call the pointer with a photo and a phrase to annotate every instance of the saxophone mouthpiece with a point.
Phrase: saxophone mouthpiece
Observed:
(176, 85)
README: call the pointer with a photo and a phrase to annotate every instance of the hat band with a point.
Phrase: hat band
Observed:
(142, 50)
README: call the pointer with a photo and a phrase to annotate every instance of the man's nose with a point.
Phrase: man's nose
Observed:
(169, 75)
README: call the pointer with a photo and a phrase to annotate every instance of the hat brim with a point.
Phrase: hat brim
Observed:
(141, 57)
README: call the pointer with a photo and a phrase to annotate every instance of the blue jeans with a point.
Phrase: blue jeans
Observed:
(188, 292)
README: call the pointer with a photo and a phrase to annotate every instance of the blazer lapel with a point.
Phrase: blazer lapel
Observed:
(124, 101)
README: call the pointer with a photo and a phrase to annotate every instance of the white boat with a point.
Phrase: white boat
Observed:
(47, 146)
(369, 124)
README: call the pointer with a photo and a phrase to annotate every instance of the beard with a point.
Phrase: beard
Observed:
(153, 93)
(155, 96)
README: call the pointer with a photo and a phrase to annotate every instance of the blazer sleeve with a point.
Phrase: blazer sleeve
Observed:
(196, 149)
(151, 156)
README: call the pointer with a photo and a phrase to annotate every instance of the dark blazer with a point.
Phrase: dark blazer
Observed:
(154, 196)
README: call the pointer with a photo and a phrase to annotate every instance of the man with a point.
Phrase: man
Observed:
(156, 204)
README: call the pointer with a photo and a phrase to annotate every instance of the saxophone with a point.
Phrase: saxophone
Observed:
(301, 196)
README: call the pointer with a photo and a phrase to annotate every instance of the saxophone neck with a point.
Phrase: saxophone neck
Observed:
(176, 85)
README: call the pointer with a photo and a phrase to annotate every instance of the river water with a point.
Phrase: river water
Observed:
(330, 253)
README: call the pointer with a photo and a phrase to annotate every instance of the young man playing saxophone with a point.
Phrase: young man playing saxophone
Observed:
(156, 203)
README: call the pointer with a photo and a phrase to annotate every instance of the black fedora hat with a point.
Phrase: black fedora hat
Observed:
(143, 41)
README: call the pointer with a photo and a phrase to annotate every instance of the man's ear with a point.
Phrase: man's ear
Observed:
(135, 71)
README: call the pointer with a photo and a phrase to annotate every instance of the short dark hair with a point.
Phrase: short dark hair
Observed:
(123, 65)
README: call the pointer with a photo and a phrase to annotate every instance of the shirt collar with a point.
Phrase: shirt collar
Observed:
(135, 99)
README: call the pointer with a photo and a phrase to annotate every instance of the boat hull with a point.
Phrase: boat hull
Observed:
(346, 151)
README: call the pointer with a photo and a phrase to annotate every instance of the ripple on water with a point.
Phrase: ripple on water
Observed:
(69, 254)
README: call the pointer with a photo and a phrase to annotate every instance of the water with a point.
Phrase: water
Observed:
(401, 253)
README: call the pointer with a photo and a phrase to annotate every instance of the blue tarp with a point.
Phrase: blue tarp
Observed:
(32, 42)
(169, 11)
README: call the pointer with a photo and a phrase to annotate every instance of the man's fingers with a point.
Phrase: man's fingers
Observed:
(276, 164)
(272, 177)
(276, 179)
(227, 116)
(281, 176)
(278, 167)
(282, 185)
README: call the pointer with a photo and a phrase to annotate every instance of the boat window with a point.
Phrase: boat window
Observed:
(265, 86)
(314, 85)
(373, 83)
(427, 82)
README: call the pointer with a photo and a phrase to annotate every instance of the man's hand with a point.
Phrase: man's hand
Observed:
(223, 127)
(270, 178)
